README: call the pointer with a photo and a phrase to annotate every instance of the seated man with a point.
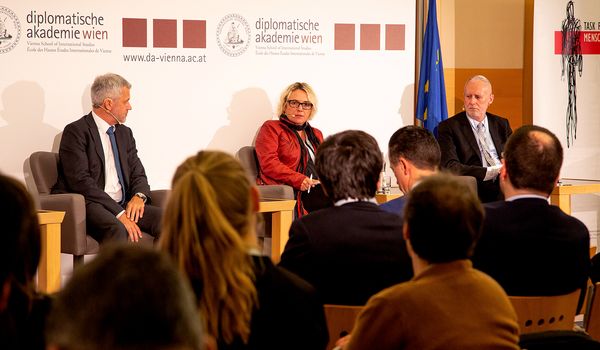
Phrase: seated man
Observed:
(448, 304)
(529, 246)
(355, 249)
(98, 159)
(112, 303)
(472, 141)
(414, 154)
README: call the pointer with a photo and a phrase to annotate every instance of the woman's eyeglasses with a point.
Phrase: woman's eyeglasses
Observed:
(295, 104)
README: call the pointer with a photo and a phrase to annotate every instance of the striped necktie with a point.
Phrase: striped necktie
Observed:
(484, 145)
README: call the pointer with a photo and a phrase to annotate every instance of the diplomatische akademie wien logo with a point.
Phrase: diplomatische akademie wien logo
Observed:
(233, 35)
(10, 29)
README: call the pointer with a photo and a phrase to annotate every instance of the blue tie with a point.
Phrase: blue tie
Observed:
(113, 143)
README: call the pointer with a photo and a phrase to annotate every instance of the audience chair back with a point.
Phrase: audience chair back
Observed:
(545, 313)
(592, 314)
(340, 321)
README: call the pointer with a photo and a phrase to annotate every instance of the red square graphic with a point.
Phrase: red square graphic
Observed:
(394, 36)
(194, 34)
(370, 36)
(344, 36)
(165, 32)
(135, 32)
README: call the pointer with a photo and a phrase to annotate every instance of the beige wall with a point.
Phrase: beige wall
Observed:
(487, 37)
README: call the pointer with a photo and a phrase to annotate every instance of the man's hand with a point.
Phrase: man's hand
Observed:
(135, 209)
(132, 228)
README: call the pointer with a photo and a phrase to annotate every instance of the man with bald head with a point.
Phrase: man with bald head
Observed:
(529, 246)
(472, 141)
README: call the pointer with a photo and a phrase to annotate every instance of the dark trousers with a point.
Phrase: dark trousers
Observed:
(104, 225)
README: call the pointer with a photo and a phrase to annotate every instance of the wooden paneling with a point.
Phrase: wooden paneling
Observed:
(507, 87)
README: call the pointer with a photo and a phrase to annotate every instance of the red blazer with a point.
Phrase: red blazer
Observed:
(278, 153)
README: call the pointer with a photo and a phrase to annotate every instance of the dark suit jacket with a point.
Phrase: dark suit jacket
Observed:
(290, 314)
(460, 151)
(81, 168)
(395, 206)
(533, 248)
(349, 252)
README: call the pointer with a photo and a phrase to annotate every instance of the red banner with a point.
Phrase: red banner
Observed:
(588, 40)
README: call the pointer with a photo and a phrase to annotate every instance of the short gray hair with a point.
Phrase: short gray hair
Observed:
(107, 86)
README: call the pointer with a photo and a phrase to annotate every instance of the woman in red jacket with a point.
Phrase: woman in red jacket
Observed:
(286, 147)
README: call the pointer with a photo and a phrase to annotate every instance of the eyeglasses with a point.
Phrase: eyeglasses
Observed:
(295, 104)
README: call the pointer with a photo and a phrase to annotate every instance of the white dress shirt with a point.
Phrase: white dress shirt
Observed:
(492, 170)
(111, 179)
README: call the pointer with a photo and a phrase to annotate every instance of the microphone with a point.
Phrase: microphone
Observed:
(112, 115)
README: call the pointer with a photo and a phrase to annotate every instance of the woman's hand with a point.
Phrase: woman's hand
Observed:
(308, 183)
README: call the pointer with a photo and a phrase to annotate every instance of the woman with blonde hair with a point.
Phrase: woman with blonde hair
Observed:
(286, 148)
(209, 230)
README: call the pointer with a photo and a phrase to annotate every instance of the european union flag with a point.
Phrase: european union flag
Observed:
(431, 96)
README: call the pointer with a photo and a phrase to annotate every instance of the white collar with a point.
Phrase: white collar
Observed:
(352, 200)
(100, 123)
(521, 196)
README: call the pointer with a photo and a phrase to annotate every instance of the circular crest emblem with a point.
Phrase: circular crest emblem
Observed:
(233, 35)
(10, 29)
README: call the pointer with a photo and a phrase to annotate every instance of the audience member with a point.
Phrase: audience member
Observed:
(472, 141)
(414, 154)
(354, 249)
(529, 246)
(286, 148)
(22, 310)
(117, 195)
(448, 304)
(126, 298)
(209, 230)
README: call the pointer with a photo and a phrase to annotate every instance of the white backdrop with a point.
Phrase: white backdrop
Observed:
(582, 159)
(180, 108)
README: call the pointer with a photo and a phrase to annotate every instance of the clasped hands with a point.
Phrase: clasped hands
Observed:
(133, 212)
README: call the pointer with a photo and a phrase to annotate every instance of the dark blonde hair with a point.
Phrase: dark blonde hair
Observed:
(204, 225)
(293, 87)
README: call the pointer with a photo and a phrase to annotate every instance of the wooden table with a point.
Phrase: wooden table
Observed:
(382, 198)
(561, 195)
(282, 216)
(49, 269)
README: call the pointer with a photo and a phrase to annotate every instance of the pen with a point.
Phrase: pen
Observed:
(309, 185)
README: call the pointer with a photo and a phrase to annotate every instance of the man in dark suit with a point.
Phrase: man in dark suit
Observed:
(354, 249)
(414, 154)
(529, 246)
(472, 141)
(117, 194)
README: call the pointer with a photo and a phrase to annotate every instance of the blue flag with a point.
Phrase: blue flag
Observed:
(431, 96)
